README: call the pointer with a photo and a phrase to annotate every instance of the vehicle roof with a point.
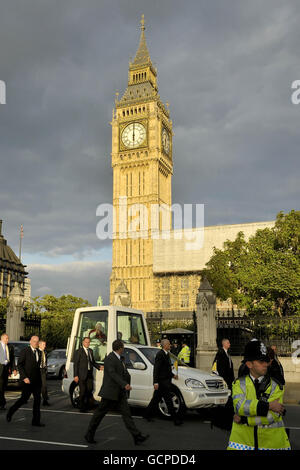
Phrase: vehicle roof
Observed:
(58, 349)
(111, 307)
(18, 342)
(139, 346)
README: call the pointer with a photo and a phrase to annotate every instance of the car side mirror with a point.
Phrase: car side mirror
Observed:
(139, 366)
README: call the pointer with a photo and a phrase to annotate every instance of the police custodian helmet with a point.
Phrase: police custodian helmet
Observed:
(255, 350)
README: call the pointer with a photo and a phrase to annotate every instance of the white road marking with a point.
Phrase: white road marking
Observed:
(108, 440)
(41, 442)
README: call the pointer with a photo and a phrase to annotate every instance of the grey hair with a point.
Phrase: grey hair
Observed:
(164, 341)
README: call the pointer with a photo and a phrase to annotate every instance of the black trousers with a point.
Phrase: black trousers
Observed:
(44, 384)
(3, 384)
(106, 405)
(27, 390)
(85, 391)
(164, 391)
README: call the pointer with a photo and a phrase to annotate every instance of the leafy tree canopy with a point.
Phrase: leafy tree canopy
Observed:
(262, 274)
(57, 317)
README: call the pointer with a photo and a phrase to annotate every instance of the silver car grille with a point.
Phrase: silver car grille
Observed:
(215, 384)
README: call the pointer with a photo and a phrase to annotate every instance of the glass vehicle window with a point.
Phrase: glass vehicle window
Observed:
(18, 347)
(54, 355)
(94, 325)
(150, 354)
(131, 357)
(130, 328)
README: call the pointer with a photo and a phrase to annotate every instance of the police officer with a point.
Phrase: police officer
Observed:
(257, 400)
(185, 353)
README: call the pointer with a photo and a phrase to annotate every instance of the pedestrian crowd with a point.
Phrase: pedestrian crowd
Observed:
(254, 410)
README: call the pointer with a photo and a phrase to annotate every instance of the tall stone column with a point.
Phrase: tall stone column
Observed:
(15, 311)
(206, 326)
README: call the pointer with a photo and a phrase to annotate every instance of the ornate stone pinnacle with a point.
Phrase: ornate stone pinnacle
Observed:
(143, 23)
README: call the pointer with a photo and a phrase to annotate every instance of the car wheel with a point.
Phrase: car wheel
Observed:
(61, 373)
(74, 394)
(178, 403)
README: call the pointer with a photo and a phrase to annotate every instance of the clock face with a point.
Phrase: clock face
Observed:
(165, 140)
(134, 135)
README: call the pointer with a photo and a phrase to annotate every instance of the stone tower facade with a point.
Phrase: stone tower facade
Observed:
(142, 171)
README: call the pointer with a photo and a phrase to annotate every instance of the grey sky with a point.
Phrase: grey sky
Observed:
(225, 67)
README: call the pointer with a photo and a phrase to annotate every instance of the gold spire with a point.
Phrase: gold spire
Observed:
(142, 56)
(143, 23)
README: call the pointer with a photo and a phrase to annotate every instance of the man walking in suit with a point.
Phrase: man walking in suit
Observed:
(42, 348)
(162, 379)
(224, 363)
(7, 365)
(83, 373)
(113, 393)
(29, 366)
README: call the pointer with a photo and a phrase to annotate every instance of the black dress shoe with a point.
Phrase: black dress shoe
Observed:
(178, 422)
(140, 438)
(39, 425)
(8, 417)
(90, 439)
(46, 403)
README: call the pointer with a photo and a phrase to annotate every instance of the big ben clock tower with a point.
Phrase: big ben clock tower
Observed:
(142, 171)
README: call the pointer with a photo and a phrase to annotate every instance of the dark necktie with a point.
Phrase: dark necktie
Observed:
(36, 355)
(89, 359)
(256, 384)
(122, 359)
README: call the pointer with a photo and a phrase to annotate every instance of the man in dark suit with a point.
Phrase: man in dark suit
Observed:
(29, 366)
(44, 356)
(113, 393)
(275, 369)
(162, 380)
(224, 363)
(83, 373)
(7, 365)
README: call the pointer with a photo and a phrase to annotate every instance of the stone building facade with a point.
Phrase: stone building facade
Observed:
(11, 268)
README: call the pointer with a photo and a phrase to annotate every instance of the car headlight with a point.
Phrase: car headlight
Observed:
(52, 366)
(193, 383)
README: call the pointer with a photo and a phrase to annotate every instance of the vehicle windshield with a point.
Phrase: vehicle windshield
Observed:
(18, 347)
(57, 355)
(130, 328)
(94, 325)
(150, 354)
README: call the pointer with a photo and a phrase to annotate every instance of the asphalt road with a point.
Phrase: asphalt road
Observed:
(65, 428)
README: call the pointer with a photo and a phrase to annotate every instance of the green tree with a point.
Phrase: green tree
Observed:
(263, 274)
(3, 310)
(3, 306)
(57, 317)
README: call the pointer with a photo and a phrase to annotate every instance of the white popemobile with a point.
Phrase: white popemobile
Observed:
(194, 388)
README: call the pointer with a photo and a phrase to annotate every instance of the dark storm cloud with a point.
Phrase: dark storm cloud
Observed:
(225, 67)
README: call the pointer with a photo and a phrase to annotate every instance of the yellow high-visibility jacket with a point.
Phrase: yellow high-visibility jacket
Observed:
(257, 432)
(184, 354)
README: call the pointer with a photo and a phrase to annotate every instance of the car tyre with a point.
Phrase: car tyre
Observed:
(178, 403)
(74, 394)
(61, 373)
